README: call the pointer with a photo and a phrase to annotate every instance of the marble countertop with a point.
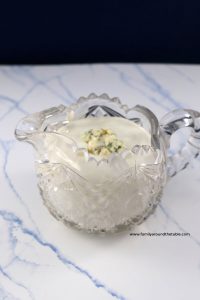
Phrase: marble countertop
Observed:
(42, 259)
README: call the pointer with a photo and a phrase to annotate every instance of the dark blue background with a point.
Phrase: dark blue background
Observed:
(100, 31)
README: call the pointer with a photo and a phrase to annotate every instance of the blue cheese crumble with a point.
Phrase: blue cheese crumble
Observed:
(102, 142)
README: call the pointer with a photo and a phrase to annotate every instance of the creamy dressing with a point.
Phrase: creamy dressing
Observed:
(127, 131)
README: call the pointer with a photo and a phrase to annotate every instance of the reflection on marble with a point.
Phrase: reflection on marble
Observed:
(42, 259)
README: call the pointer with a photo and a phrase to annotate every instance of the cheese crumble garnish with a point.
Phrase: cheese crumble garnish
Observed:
(102, 142)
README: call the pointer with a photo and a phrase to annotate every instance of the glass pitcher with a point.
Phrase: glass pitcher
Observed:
(106, 193)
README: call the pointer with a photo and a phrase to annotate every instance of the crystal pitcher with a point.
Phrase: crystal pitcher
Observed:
(102, 166)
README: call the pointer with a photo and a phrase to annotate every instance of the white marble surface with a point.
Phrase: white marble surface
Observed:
(40, 258)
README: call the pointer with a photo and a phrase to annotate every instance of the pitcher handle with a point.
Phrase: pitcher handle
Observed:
(174, 121)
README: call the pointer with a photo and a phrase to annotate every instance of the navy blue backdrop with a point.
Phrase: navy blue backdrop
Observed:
(100, 31)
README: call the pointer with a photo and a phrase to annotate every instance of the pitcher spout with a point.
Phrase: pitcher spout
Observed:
(27, 128)
(42, 132)
(36, 123)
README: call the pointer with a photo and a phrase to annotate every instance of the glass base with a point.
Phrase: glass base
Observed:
(127, 225)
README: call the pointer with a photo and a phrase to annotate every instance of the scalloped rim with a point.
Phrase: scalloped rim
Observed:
(104, 96)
